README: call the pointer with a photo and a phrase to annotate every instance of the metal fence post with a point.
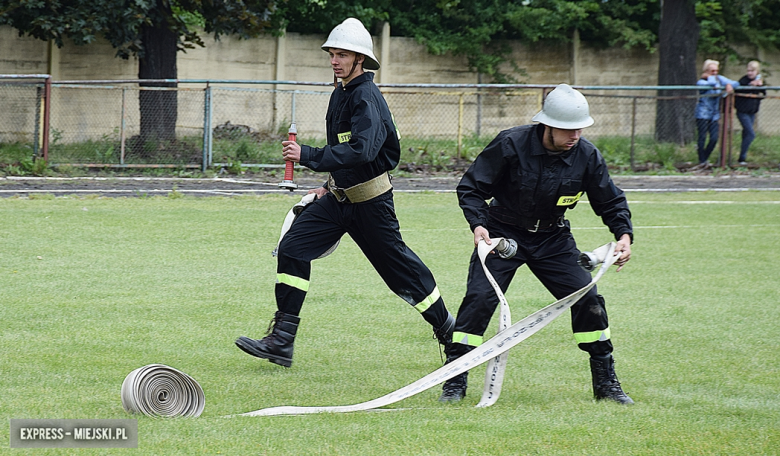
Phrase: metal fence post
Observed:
(479, 107)
(37, 128)
(206, 128)
(633, 131)
(460, 125)
(122, 127)
(292, 106)
(725, 136)
(730, 113)
(46, 116)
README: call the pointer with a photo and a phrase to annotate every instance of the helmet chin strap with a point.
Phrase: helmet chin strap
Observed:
(552, 142)
(354, 67)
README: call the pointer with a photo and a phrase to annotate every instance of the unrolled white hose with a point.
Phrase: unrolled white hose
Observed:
(498, 344)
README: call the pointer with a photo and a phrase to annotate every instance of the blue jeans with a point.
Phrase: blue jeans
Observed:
(706, 127)
(748, 134)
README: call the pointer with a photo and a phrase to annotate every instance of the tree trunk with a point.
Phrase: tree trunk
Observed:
(678, 36)
(158, 107)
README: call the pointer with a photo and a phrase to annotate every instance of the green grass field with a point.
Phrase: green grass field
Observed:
(93, 288)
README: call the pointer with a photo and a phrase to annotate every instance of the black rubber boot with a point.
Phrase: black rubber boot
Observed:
(444, 333)
(605, 382)
(454, 389)
(277, 346)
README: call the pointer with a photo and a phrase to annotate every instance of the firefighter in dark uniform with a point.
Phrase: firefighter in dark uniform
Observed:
(363, 145)
(531, 175)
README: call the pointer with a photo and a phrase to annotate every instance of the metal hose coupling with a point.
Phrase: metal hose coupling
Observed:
(506, 248)
(589, 261)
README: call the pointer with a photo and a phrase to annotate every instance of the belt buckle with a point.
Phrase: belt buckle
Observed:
(536, 227)
(341, 197)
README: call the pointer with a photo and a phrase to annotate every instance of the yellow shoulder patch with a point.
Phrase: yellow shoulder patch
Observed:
(569, 200)
(344, 137)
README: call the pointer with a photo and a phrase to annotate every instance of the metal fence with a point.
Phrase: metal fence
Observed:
(203, 123)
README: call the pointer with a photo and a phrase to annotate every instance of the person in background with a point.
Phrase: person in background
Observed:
(708, 108)
(357, 199)
(747, 106)
(519, 187)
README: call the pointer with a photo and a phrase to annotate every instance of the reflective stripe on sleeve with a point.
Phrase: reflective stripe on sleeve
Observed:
(466, 339)
(423, 305)
(295, 282)
(592, 336)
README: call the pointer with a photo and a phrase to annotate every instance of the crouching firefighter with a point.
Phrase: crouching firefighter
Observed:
(531, 175)
(357, 199)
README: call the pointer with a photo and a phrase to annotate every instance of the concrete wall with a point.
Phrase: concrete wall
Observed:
(300, 59)
(296, 57)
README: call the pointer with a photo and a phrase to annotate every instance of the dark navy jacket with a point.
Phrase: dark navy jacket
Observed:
(525, 181)
(748, 105)
(362, 136)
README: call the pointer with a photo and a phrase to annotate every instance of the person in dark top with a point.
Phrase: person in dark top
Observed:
(362, 146)
(747, 105)
(520, 187)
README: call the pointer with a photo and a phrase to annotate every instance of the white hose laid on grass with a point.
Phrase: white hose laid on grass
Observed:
(489, 350)
(160, 390)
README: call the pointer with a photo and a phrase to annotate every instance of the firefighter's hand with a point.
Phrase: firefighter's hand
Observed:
(623, 249)
(320, 191)
(481, 233)
(291, 151)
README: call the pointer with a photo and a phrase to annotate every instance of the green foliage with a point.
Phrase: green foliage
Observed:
(121, 22)
(725, 23)
(15, 152)
(28, 166)
(475, 29)
(648, 154)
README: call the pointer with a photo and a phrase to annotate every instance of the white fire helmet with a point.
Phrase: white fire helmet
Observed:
(565, 108)
(351, 35)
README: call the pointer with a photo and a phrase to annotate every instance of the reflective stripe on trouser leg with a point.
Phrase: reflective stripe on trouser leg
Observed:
(290, 293)
(466, 339)
(423, 305)
(601, 335)
(295, 282)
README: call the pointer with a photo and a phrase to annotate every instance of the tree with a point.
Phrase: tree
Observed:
(153, 30)
(477, 29)
(678, 35)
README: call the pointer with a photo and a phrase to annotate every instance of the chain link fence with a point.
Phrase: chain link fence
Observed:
(206, 124)
(21, 119)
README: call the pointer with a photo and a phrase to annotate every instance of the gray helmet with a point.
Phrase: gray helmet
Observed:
(351, 35)
(565, 108)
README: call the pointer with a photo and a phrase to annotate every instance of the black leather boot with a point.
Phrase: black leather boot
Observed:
(454, 389)
(444, 333)
(605, 382)
(277, 346)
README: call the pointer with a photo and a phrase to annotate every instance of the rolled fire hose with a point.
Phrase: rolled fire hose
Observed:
(160, 390)
(489, 350)
(292, 215)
